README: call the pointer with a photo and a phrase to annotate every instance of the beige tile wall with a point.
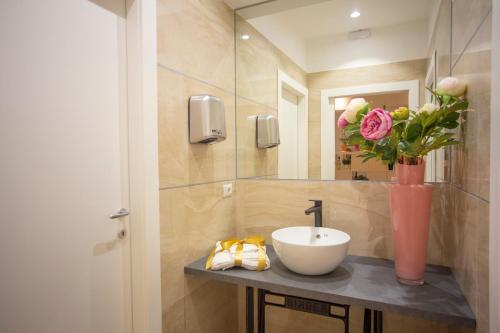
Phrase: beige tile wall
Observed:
(194, 214)
(467, 17)
(257, 64)
(193, 218)
(397, 71)
(195, 56)
(441, 40)
(253, 161)
(182, 163)
(470, 168)
(466, 240)
(196, 38)
(466, 249)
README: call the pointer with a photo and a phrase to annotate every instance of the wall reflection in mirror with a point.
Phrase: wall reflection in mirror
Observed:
(302, 62)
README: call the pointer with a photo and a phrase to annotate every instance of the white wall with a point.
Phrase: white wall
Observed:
(386, 44)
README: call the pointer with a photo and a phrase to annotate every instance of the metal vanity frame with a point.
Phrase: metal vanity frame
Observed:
(304, 305)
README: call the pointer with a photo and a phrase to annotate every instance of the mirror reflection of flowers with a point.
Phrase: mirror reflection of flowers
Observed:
(406, 136)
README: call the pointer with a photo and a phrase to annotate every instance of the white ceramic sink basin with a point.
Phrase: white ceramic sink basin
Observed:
(310, 250)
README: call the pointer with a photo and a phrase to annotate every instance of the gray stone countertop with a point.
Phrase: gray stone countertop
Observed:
(362, 281)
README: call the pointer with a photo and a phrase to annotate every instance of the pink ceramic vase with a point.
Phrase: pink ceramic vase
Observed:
(410, 201)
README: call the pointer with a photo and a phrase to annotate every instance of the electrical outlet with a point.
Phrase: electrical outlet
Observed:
(227, 190)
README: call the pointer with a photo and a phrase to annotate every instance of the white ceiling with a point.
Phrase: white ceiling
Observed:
(332, 17)
(309, 30)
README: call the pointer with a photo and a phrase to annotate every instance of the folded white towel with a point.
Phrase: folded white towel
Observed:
(222, 260)
(250, 255)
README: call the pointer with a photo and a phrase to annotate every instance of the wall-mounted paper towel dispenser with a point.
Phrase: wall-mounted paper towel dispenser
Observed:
(207, 119)
(268, 134)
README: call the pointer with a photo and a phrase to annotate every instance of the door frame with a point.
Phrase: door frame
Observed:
(302, 93)
(328, 124)
(143, 166)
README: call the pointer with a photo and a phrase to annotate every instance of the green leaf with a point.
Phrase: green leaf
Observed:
(452, 116)
(450, 125)
(368, 158)
(355, 138)
(404, 145)
(432, 118)
(461, 104)
(361, 113)
(413, 131)
(352, 127)
(446, 99)
(397, 122)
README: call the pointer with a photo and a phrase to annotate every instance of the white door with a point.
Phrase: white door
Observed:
(63, 167)
(288, 150)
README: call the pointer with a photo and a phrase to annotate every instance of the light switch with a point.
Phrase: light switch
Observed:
(228, 189)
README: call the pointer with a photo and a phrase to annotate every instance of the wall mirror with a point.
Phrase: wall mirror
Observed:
(302, 61)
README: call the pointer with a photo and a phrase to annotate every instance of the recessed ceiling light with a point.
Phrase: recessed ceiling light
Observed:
(355, 14)
(245, 37)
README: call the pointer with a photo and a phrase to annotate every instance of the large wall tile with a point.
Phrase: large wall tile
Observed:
(253, 161)
(314, 150)
(180, 162)
(467, 16)
(196, 37)
(288, 66)
(441, 39)
(192, 219)
(467, 250)
(266, 205)
(257, 64)
(471, 161)
(212, 308)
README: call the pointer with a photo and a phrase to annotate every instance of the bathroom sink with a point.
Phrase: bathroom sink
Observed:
(310, 250)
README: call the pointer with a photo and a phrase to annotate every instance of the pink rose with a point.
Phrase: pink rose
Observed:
(342, 123)
(376, 124)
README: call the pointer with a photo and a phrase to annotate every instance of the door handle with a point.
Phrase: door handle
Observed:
(121, 213)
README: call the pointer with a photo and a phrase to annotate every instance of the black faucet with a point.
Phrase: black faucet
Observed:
(317, 209)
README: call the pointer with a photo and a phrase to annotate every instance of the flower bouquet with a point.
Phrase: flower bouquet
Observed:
(402, 138)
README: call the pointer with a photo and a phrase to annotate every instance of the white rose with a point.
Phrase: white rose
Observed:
(429, 108)
(352, 109)
(451, 86)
